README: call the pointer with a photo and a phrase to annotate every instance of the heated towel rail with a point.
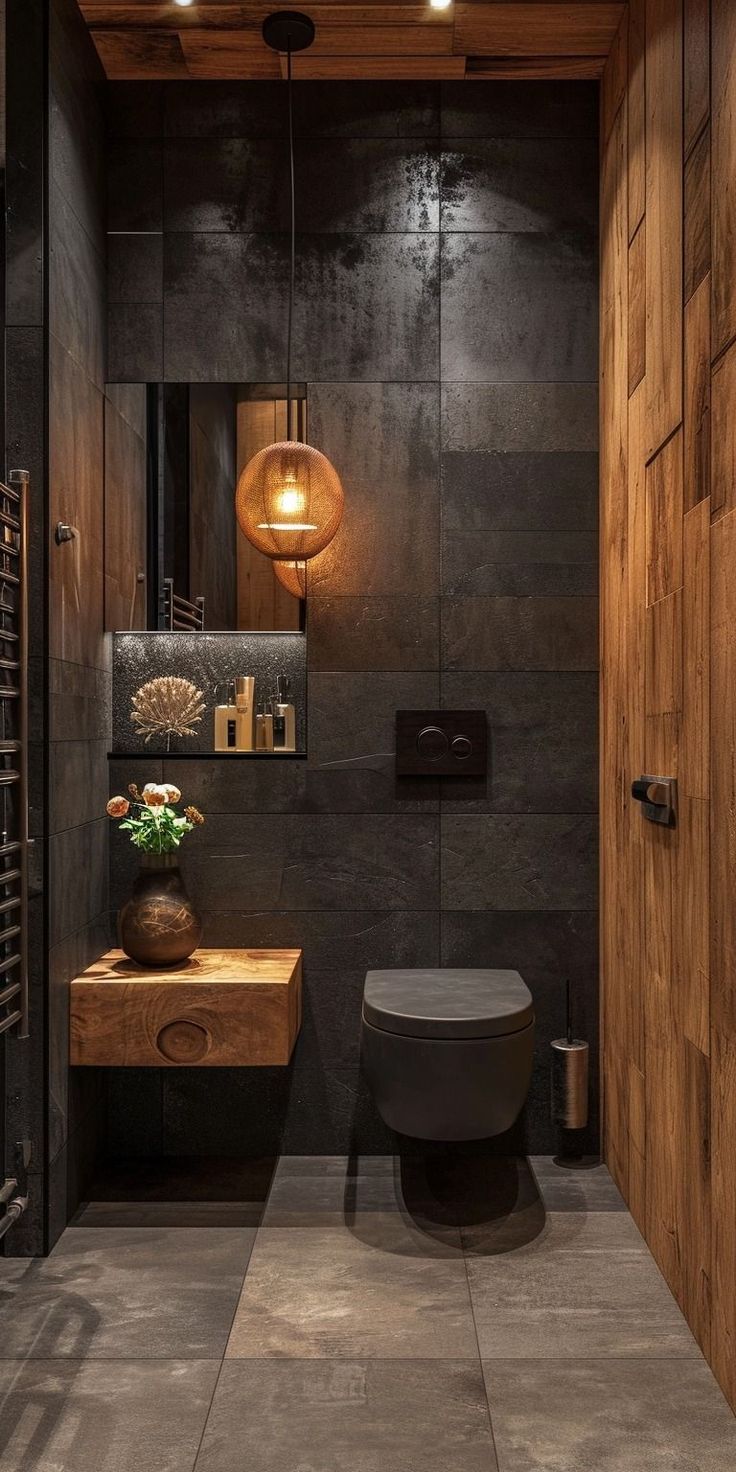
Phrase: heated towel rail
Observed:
(14, 753)
(180, 613)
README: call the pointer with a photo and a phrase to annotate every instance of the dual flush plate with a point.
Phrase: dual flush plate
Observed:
(441, 743)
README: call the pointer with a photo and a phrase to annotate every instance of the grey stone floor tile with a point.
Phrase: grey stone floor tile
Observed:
(368, 1416)
(436, 1192)
(586, 1285)
(314, 1190)
(383, 1290)
(609, 1416)
(115, 1292)
(127, 1416)
(165, 1214)
(584, 1185)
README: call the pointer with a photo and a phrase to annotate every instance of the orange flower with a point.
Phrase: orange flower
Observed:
(154, 795)
(194, 815)
(172, 793)
(118, 807)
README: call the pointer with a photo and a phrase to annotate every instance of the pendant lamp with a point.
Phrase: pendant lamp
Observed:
(289, 499)
(292, 576)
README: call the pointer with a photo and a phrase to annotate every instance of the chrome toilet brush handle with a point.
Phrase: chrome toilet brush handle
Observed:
(570, 1076)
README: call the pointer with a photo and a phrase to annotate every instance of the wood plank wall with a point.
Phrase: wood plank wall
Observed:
(668, 644)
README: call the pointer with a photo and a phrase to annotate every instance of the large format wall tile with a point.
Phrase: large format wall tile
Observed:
(516, 523)
(520, 633)
(134, 185)
(520, 416)
(543, 741)
(343, 283)
(382, 439)
(373, 633)
(79, 894)
(76, 289)
(541, 185)
(519, 862)
(518, 110)
(344, 110)
(361, 184)
(306, 863)
(135, 268)
(518, 307)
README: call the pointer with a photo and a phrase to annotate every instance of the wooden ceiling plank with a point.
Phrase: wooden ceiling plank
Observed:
(228, 56)
(381, 41)
(378, 68)
(535, 68)
(230, 17)
(130, 56)
(549, 28)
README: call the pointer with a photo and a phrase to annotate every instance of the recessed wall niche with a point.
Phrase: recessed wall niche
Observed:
(208, 660)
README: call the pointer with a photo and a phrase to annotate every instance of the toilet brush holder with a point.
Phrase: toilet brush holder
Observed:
(570, 1077)
(570, 1083)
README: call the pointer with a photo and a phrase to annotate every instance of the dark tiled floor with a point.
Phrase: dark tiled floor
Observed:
(436, 1315)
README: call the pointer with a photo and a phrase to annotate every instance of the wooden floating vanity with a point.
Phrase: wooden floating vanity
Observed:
(219, 1009)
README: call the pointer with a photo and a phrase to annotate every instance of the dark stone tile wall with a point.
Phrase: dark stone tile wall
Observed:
(446, 327)
(79, 671)
(23, 1060)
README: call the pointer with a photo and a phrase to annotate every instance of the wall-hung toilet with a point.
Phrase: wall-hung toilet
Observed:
(448, 1053)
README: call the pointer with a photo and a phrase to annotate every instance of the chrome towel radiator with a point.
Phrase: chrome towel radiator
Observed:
(180, 613)
(14, 753)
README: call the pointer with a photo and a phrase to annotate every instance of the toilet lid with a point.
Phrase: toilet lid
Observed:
(448, 1002)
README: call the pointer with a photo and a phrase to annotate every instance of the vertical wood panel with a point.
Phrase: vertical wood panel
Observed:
(697, 214)
(668, 915)
(697, 68)
(723, 143)
(695, 758)
(694, 1185)
(637, 307)
(664, 685)
(636, 99)
(664, 185)
(696, 423)
(664, 520)
(613, 540)
(723, 773)
(723, 1218)
(723, 434)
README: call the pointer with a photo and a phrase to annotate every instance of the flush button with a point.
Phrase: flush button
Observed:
(432, 744)
(462, 748)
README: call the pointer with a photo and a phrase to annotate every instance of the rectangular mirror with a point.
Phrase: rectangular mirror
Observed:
(175, 557)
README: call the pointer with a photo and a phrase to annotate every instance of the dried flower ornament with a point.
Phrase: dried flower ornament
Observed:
(118, 807)
(152, 820)
(167, 706)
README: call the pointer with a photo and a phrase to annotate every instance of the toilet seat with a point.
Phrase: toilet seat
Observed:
(447, 1002)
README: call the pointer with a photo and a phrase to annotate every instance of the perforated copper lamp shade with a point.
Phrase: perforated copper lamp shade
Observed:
(293, 577)
(289, 501)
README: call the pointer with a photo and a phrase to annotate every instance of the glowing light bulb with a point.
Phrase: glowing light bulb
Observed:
(435, 4)
(290, 501)
(182, 2)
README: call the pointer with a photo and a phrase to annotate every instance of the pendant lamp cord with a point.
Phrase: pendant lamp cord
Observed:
(292, 270)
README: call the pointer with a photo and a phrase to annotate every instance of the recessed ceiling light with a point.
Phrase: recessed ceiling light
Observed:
(435, 4)
(182, 2)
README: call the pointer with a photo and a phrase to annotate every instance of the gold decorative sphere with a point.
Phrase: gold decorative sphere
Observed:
(289, 501)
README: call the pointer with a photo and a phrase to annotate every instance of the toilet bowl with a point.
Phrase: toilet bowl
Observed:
(447, 1053)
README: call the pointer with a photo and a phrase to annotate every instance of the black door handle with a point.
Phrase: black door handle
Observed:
(658, 798)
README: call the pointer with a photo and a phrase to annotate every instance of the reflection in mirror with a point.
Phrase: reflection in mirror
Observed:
(175, 557)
